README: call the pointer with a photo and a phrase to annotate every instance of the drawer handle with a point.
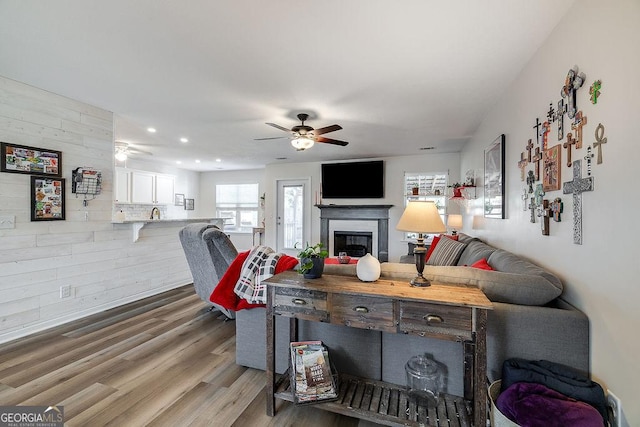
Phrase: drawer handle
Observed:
(360, 309)
(298, 301)
(432, 318)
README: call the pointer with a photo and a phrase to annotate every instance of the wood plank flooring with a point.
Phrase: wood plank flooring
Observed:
(162, 361)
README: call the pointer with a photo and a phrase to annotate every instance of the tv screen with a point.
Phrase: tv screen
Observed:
(353, 180)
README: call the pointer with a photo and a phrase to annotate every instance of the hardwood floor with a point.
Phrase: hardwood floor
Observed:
(162, 361)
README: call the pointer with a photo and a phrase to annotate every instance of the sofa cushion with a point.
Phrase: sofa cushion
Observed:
(434, 243)
(498, 286)
(475, 251)
(447, 252)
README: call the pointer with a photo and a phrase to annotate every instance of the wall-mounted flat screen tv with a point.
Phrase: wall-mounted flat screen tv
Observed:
(353, 180)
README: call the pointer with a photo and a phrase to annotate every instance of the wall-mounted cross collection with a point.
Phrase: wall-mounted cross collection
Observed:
(550, 156)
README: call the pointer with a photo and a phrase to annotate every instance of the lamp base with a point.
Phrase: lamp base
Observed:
(420, 281)
(420, 252)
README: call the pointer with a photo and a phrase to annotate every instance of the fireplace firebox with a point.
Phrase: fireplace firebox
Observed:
(354, 243)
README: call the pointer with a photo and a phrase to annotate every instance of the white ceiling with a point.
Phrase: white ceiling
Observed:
(396, 75)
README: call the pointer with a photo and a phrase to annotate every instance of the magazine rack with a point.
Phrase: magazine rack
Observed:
(457, 313)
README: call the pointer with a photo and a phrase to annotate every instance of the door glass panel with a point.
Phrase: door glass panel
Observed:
(293, 215)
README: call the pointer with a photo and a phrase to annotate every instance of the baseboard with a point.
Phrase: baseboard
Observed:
(29, 330)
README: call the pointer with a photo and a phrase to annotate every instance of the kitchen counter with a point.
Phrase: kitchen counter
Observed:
(138, 224)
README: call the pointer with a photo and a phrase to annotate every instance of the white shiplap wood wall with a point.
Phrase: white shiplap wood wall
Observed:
(98, 259)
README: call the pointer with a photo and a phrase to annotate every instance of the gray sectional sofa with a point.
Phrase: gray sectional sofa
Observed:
(529, 320)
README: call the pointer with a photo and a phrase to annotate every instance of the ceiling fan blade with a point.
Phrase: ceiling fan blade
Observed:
(279, 127)
(331, 141)
(273, 137)
(326, 129)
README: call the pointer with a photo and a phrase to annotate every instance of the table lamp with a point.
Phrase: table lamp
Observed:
(454, 222)
(421, 217)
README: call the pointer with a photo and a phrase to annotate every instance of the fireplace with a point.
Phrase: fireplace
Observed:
(354, 243)
(356, 223)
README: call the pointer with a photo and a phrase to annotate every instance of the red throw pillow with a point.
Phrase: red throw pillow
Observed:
(434, 242)
(482, 264)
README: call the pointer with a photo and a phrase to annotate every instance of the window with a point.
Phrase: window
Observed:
(238, 205)
(426, 186)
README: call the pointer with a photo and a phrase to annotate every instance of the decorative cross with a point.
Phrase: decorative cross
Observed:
(577, 187)
(539, 193)
(551, 114)
(522, 164)
(599, 141)
(536, 159)
(546, 128)
(572, 83)
(556, 208)
(594, 91)
(530, 180)
(529, 148)
(532, 208)
(588, 158)
(579, 121)
(567, 145)
(525, 196)
(537, 128)
(543, 212)
(562, 108)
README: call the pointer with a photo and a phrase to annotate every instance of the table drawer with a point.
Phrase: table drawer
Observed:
(303, 304)
(429, 319)
(363, 312)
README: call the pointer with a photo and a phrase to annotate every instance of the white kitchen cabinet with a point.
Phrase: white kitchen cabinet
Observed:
(122, 186)
(164, 189)
(151, 188)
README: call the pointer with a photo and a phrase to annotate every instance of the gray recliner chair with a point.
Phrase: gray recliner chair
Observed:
(209, 253)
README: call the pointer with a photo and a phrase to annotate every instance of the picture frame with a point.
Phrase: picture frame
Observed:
(189, 204)
(47, 198)
(552, 168)
(179, 199)
(494, 188)
(30, 160)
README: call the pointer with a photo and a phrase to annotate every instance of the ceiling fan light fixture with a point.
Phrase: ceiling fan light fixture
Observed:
(121, 155)
(302, 142)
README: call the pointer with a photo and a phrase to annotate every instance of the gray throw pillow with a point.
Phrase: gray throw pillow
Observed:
(447, 252)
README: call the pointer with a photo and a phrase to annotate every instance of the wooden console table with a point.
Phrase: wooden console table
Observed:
(450, 312)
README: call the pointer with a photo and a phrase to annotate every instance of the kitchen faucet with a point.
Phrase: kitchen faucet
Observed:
(155, 212)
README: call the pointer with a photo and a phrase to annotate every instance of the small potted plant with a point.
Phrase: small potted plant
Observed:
(312, 260)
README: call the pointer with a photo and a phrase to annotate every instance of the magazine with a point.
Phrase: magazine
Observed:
(311, 376)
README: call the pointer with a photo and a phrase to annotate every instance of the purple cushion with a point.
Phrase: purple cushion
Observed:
(534, 405)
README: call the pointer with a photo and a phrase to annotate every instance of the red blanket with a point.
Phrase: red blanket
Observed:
(223, 293)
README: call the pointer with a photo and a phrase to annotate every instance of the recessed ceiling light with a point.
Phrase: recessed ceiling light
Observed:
(218, 160)
(179, 162)
(183, 139)
(197, 160)
(151, 130)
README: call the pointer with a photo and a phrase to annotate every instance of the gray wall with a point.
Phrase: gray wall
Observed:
(601, 275)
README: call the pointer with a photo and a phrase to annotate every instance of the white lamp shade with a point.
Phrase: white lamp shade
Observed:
(421, 217)
(454, 221)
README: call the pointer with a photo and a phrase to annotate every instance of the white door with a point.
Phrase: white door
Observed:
(293, 220)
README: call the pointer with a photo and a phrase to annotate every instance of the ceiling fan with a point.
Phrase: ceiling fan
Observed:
(303, 136)
(124, 149)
